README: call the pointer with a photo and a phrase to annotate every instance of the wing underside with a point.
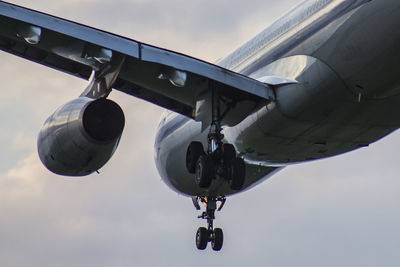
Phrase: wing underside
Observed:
(163, 77)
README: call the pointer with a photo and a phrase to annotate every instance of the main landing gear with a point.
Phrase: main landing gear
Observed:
(210, 234)
(219, 160)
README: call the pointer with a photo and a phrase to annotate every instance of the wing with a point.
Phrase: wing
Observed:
(169, 79)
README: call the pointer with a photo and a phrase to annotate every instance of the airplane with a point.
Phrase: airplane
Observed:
(319, 82)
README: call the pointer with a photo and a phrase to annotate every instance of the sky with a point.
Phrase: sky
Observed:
(341, 211)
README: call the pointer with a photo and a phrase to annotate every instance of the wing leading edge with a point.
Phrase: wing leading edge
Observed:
(169, 79)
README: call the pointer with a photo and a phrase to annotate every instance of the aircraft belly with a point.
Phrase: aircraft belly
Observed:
(170, 157)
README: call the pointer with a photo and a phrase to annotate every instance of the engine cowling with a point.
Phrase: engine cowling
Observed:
(81, 136)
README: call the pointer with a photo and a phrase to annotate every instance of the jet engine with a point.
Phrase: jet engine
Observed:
(81, 136)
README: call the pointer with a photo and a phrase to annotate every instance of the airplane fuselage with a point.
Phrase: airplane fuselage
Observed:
(343, 56)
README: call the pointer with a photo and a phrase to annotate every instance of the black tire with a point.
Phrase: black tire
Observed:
(237, 173)
(194, 151)
(217, 240)
(228, 153)
(204, 171)
(201, 238)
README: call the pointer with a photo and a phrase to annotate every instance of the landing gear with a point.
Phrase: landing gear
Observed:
(205, 171)
(194, 151)
(209, 234)
(222, 162)
(217, 239)
(237, 173)
(228, 153)
(202, 237)
(219, 160)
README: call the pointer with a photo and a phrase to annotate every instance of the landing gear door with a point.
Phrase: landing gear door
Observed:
(204, 109)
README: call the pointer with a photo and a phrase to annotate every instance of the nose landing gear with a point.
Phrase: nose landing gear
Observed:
(210, 234)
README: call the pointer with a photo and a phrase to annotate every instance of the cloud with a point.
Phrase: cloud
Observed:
(23, 180)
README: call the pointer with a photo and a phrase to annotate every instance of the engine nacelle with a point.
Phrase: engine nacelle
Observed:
(81, 136)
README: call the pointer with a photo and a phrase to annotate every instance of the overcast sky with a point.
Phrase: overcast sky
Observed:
(337, 212)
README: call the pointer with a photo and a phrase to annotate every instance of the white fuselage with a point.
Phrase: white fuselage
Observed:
(344, 56)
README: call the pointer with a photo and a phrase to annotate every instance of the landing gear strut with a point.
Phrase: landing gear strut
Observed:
(219, 160)
(210, 234)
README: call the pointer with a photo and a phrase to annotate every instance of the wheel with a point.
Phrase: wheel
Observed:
(195, 149)
(218, 239)
(228, 153)
(201, 238)
(204, 171)
(237, 173)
